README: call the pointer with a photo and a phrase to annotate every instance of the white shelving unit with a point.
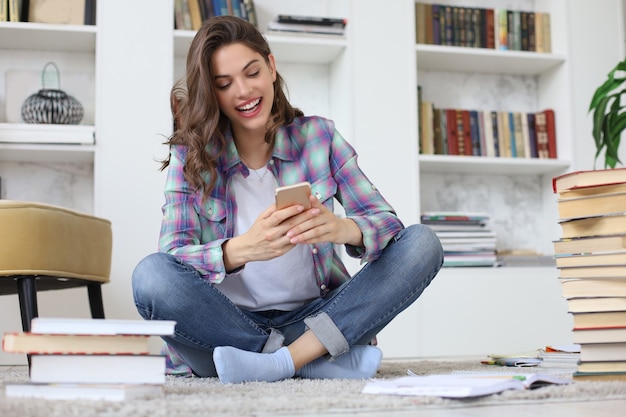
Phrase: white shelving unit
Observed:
(20, 142)
(451, 316)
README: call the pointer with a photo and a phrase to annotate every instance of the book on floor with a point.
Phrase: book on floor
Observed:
(590, 245)
(593, 287)
(98, 369)
(599, 376)
(592, 205)
(599, 320)
(590, 352)
(600, 335)
(458, 386)
(602, 366)
(591, 304)
(591, 259)
(33, 343)
(592, 191)
(588, 178)
(593, 226)
(599, 271)
(103, 392)
(50, 325)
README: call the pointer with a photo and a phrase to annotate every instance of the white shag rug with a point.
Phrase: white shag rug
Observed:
(190, 397)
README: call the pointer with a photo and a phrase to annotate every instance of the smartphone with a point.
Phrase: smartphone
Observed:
(289, 195)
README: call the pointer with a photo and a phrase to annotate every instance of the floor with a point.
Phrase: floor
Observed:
(582, 409)
(606, 408)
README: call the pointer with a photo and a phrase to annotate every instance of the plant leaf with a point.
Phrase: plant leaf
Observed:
(599, 120)
(602, 92)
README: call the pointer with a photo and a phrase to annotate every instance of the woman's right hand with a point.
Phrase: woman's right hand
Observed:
(266, 239)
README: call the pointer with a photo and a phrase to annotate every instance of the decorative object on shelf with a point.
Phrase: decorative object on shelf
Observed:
(52, 105)
(609, 118)
(60, 12)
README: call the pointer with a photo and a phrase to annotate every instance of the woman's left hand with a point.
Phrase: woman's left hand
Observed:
(322, 225)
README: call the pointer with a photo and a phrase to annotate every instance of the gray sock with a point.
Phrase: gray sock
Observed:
(235, 365)
(359, 362)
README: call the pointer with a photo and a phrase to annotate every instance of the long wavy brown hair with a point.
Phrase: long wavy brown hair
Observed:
(198, 120)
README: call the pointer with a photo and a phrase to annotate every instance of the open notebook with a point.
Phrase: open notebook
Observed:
(460, 385)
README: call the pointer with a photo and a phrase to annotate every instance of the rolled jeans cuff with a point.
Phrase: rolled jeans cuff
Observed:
(274, 341)
(328, 334)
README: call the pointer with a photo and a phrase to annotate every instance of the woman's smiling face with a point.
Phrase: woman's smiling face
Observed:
(244, 85)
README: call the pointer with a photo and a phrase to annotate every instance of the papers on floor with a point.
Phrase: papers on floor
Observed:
(459, 386)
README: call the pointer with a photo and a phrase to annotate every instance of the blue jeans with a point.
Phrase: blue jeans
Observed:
(165, 288)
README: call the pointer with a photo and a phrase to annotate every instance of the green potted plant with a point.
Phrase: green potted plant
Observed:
(609, 115)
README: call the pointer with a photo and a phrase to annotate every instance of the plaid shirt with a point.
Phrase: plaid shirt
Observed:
(309, 149)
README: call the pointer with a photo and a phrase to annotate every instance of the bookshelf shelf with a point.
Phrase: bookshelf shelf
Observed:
(436, 57)
(47, 134)
(22, 152)
(488, 165)
(305, 49)
(48, 37)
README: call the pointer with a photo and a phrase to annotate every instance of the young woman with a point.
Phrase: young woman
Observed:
(259, 294)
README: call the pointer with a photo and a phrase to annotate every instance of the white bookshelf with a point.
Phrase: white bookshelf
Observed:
(449, 319)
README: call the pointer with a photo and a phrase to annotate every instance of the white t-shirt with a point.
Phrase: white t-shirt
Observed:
(282, 283)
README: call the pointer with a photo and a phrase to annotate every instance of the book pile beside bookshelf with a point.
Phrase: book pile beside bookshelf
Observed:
(475, 27)
(486, 133)
(95, 359)
(307, 24)
(591, 258)
(524, 258)
(465, 237)
(189, 14)
(560, 357)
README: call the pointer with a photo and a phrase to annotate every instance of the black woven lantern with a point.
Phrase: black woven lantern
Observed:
(52, 105)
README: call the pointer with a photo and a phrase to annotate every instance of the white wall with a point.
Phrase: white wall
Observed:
(596, 46)
(134, 71)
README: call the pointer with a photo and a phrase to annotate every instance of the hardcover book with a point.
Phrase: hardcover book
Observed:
(95, 392)
(32, 343)
(594, 287)
(97, 369)
(589, 178)
(594, 226)
(51, 325)
(600, 271)
(590, 245)
(600, 334)
(599, 320)
(602, 352)
(591, 260)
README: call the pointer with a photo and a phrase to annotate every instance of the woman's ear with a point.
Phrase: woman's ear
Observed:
(272, 66)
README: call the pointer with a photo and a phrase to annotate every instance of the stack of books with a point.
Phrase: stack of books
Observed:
(189, 14)
(561, 357)
(307, 24)
(465, 237)
(97, 359)
(591, 258)
(474, 132)
(476, 27)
